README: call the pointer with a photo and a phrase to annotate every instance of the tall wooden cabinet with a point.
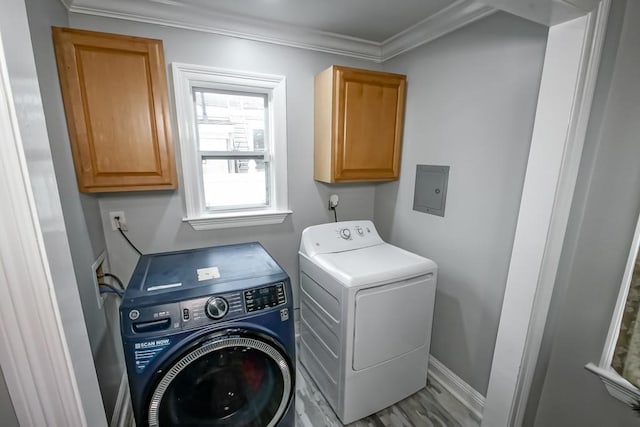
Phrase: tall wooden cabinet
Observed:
(114, 89)
(359, 117)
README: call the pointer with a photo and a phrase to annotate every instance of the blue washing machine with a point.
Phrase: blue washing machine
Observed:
(208, 338)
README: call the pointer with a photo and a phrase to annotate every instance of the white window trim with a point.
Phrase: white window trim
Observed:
(616, 385)
(185, 77)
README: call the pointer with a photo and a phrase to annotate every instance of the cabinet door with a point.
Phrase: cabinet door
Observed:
(115, 97)
(370, 111)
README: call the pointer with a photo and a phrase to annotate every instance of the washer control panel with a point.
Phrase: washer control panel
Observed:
(205, 310)
(198, 312)
(216, 308)
(265, 297)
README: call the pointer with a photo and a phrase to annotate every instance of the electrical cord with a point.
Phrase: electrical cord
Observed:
(127, 239)
(335, 215)
(109, 289)
(114, 277)
(104, 291)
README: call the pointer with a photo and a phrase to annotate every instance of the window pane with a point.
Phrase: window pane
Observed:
(228, 121)
(234, 183)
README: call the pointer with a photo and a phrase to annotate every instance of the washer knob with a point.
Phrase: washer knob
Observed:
(359, 230)
(216, 308)
(345, 233)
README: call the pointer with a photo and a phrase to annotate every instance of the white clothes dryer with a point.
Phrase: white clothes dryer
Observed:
(366, 310)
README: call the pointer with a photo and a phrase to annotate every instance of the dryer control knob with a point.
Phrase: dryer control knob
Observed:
(216, 308)
(345, 233)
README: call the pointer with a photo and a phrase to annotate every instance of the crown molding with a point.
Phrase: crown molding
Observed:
(451, 18)
(584, 6)
(173, 14)
(196, 19)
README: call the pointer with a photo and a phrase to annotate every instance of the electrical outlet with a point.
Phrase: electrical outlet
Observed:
(333, 201)
(121, 219)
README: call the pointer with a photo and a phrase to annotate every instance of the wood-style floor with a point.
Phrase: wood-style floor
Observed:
(431, 406)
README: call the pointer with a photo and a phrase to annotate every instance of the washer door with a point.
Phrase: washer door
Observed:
(229, 381)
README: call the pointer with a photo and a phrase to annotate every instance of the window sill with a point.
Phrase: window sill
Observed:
(237, 219)
(617, 386)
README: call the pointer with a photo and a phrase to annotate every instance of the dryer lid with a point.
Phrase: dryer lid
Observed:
(383, 263)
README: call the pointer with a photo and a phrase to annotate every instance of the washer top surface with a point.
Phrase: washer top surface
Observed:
(360, 256)
(198, 272)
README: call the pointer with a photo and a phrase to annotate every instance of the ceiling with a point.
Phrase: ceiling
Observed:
(374, 30)
(372, 20)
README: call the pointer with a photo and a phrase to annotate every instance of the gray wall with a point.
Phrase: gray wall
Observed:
(81, 211)
(154, 218)
(82, 217)
(19, 47)
(603, 217)
(470, 105)
(7, 413)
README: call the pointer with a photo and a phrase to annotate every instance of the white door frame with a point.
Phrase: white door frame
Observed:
(34, 355)
(568, 82)
(44, 346)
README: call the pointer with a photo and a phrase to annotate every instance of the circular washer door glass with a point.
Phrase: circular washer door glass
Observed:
(238, 382)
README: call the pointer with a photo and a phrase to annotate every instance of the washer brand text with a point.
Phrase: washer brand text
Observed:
(153, 343)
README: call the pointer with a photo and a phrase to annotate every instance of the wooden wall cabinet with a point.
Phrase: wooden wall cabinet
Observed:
(359, 117)
(114, 90)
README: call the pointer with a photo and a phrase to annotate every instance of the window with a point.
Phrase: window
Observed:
(230, 129)
(232, 132)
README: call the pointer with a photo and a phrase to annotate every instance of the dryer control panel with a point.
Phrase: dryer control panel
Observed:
(338, 237)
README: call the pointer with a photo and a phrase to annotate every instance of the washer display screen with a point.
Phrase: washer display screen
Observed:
(266, 297)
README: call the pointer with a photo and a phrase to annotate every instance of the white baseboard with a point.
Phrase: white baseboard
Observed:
(467, 395)
(123, 412)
